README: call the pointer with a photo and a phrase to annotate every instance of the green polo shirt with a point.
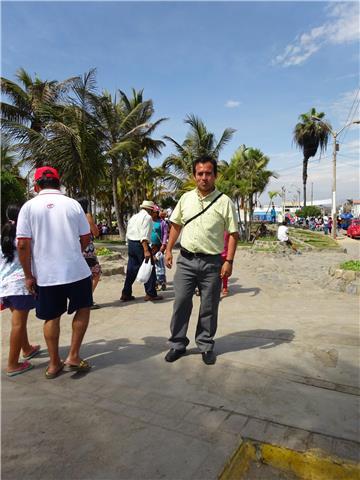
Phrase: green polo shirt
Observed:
(205, 234)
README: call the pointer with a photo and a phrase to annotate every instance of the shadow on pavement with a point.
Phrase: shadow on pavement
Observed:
(260, 338)
(104, 353)
(235, 289)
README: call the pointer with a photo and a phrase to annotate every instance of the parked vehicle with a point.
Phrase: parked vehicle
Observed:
(353, 230)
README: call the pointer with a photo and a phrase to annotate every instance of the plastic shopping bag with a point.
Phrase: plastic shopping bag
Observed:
(144, 271)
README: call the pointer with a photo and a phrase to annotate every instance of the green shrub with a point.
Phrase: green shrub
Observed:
(103, 251)
(351, 265)
(309, 211)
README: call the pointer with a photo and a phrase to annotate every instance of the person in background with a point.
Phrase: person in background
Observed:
(89, 252)
(99, 227)
(273, 214)
(138, 235)
(330, 224)
(160, 251)
(325, 220)
(52, 230)
(283, 236)
(15, 296)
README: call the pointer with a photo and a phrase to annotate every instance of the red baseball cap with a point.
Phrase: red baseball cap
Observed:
(49, 172)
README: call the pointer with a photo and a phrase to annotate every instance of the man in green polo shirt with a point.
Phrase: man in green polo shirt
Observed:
(203, 215)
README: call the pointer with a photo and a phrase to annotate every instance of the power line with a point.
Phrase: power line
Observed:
(351, 114)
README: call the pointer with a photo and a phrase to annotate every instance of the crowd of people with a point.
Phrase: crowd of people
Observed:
(49, 263)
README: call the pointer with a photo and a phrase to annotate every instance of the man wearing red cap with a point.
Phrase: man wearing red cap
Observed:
(52, 231)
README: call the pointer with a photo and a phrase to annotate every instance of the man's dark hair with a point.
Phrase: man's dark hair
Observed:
(84, 202)
(48, 182)
(204, 159)
(284, 222)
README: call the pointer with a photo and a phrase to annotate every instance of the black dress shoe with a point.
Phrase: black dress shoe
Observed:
(174, 355)
(125, 298)
(209, 358)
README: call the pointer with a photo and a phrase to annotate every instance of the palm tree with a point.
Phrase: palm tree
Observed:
(25, 118)
(127, 128)
(72, 139)
(243, 178)
(309, 135)
(198, 142)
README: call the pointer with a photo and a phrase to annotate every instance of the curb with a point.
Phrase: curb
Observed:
(310, 465)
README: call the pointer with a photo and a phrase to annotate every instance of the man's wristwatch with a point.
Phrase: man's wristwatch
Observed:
(230, 261)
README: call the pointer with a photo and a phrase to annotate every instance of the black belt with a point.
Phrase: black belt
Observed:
(190, 255)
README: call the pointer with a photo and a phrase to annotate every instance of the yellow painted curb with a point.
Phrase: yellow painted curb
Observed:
(239, 463)
(311, 465)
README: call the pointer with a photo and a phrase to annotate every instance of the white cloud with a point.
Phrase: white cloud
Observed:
(340, 109)
(342, 27)
(232, 104)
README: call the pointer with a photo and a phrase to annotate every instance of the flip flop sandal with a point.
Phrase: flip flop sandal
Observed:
(35, 351)
(25, 367)
(52, 375)
(83, 366)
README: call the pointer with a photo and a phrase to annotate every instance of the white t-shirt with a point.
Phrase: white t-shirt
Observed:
(54, 223)
(282, 233)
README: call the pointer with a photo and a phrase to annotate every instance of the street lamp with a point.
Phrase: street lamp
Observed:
(335, 149)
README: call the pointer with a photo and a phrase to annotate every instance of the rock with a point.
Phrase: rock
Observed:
(348, 275)
(352, 289)
(112, 270)
(338, 273)
(332, 271)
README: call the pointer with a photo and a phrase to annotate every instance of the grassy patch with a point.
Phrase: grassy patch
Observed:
(244, 244)
(351, 265)
(268, 250)
(103, 251)
(111, 242)
(267, 239)
(316, 240)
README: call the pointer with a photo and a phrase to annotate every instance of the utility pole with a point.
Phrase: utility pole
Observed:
(335, 149)
(312, 192)
(283, 190)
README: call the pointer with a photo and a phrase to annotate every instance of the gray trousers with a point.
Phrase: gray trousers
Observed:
(204, 273)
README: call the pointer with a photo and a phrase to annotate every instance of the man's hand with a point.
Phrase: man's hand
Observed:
(30, 283)
(226, 270)
(168, 259)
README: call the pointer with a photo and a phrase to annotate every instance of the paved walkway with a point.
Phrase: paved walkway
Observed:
(287, 373)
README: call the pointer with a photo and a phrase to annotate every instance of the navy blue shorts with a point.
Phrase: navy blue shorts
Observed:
(19, 302)
(52, 302)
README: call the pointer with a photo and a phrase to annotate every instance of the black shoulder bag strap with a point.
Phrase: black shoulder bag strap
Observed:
(202, 211)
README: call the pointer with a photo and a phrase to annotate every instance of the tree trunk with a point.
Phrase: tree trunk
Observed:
(94, 204)
(89, 204)
(241, 228)
(246, 224)
(305, 165)
(121, 223)
(114, 177)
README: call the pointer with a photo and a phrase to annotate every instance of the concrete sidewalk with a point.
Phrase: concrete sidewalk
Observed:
(287, 374)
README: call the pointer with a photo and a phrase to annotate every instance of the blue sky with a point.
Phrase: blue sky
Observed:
(252, 66)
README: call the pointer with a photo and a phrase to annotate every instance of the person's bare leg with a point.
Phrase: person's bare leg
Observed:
(52, 334)
(95, 281)
(26, 346)
(79, 327)
(17, 335)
